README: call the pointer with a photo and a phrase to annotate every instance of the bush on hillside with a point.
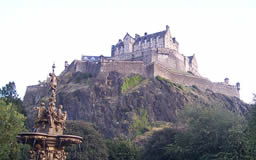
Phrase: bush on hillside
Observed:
(208, 133)
(122, 150)
(93, 146)
(131, 82)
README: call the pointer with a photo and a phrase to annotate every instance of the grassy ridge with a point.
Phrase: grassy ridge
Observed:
(131, 82)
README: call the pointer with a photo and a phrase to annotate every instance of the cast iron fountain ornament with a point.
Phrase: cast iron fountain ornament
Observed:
(48, 141)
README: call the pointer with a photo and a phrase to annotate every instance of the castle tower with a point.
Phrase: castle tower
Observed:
(128, 43)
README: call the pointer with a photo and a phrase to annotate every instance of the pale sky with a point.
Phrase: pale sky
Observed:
(36, 33)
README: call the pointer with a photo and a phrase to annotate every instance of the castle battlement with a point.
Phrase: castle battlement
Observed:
(152, 55)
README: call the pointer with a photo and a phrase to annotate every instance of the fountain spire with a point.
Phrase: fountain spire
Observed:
(48, 141)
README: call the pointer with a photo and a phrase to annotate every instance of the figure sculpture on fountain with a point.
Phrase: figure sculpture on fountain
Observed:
(48, 141)
(50, 120)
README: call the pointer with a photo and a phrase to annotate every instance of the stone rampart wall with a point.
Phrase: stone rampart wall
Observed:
(144, 55)
(190, 80)
(85, 66)
(167, 57)
(124, 67)
(152, 70)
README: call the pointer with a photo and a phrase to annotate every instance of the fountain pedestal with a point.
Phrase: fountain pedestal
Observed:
(48, 141)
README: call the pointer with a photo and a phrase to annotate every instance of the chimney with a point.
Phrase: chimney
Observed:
(66, 64)
(174, 40)
(137, 36)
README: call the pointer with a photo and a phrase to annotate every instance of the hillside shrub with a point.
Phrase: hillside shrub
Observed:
(80, 77)
(131, 82)
(171, 83)
(140, 122)
(208, 133)
(122, 150)
(93, 146)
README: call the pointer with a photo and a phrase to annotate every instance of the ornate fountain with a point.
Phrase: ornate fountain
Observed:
(48, 141)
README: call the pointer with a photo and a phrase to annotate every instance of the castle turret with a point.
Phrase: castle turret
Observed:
(238, 86)
(226, 81)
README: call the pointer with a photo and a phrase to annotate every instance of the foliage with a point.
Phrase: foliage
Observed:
(252, 128)
(131, 82)
(140, 122)
(9, 94)
(9, 91)
(93, 146)
(212, 133)
(171, 83)
(122, 150)
(208, 133)
(156, 147)
(11, 123)
(80, 77)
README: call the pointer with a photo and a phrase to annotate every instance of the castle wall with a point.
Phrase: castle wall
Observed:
(171, 59)
(124, 67)
(142, 55)
(189, 80)
(152, 70)
(85, 66)
(167, 57)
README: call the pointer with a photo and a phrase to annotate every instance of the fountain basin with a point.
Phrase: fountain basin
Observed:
(33, 138)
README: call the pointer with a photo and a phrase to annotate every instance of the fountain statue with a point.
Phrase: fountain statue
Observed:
(48, 141)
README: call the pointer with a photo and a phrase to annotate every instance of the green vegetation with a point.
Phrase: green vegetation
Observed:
(201, 132)
(252, 129)
(208, 133)
(131, 82)
(93, 146)
(173, 84)
(80, 77)
(11, 123)
(140, 122)
(122, 150)
(9, 94)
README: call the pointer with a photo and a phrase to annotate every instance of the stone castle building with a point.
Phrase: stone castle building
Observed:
(166, 47)
(152, 55)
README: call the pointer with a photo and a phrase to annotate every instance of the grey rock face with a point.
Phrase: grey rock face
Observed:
(100, 100)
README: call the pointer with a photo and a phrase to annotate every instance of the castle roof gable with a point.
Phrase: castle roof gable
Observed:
(128, 35)
(149, 36)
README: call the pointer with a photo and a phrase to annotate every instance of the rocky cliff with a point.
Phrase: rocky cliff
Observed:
(103, 100)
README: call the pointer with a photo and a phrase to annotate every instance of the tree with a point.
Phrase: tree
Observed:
(93, 146)
(11, 123)
(122, 150)
(156, 147)
(9, 94)
(213, 133)
(252, 128)
(140, 122)
(207, 133)
(9, 91)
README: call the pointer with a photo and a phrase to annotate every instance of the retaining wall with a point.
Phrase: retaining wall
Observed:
(152, 70)
(189, 80)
